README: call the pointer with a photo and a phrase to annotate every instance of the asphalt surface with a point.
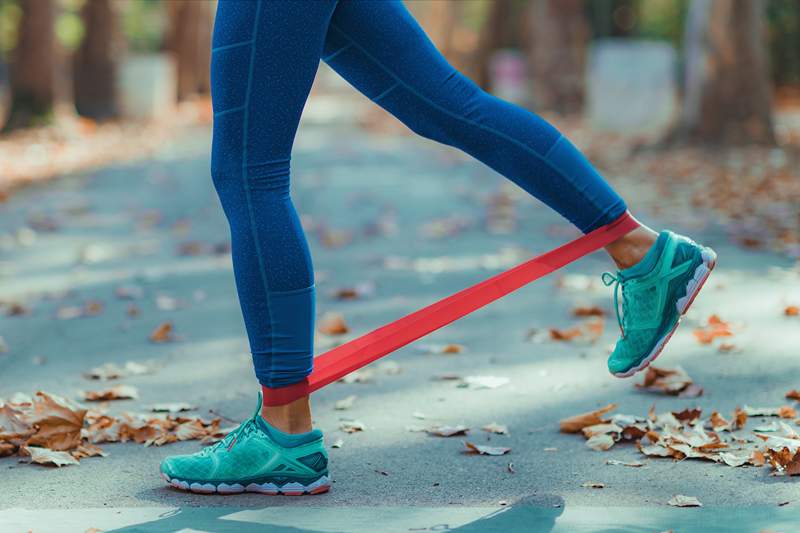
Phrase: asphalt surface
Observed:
(124, 225)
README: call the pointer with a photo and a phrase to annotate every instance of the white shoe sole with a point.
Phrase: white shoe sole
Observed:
(701, 274)
(319, 486)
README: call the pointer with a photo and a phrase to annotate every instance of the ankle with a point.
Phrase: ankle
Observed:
(294, 417)
(630, 249)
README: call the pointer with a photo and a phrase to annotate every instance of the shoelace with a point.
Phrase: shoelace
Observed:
(609, 279)
(244, 429)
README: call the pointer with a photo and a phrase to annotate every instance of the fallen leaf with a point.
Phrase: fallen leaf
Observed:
(117, 392)
(364, 375)
(600, 442)
(679, 500)
(46, 456)
(332, 324)
(163, 333)
(57, 422)
(447, 431)
(351, 426)
(496, 428)
(174, 407)
(442, 349)
(616, 462)
(793, 394)
(485, 450)
(110, 371)
(344, 404)
(356, 292)
(88, 450)
(575, 424)
(486, 382)
(714, 328)
(792, 310)
(673, 381)
(592, 310)
(593, 485)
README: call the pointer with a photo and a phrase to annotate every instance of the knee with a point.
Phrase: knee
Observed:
(441, 114)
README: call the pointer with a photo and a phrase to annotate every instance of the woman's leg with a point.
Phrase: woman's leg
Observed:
(264, 59)
(265, 55)
(381, 50)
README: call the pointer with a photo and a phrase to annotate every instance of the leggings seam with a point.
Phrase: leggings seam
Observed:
(462, 118)
(245, 179)
(337, 52)
(231, 110)
(384, 93)
(233, 45)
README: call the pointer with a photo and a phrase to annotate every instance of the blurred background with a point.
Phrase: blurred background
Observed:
(670, 85)
(114, 249)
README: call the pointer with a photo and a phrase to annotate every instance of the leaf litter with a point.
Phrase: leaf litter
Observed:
(687, 434)
(52, 430)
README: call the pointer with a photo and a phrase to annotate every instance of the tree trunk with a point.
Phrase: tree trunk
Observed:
(189, 40)
(94, 63)
(728, 91)
(33, 67)
(559, 36)
(498, 32)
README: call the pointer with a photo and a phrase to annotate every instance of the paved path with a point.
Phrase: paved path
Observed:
(123, 226)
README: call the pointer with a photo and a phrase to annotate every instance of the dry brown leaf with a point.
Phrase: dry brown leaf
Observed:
(793, 394)
(356, 292)
(687, 415)
(588, 310)
(57, 422)
(332, 324)
(575, 424)
(715, 327)
(351, 426)
(679, 500)
(46, 456)
(88, 450)
(601, 442)
(593, 485)
(345, 403)
(792, 310)
(485, 450)
(447, 431)
(739, 419)
(14, 429)
(673, 381)
(193, 429)
(173, 407)
(117, 392)
(718, 422)
(633, 464)
(163, 333)
(494, 427)
(601, 429)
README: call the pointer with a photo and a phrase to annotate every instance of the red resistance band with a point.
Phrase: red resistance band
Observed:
(340, 361)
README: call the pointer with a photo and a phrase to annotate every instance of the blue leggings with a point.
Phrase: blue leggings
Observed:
(265, 56)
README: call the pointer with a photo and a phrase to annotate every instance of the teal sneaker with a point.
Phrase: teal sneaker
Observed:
(255, 457)
(656, 292)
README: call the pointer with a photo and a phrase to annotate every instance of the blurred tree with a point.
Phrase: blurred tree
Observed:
(33, 66)
(728, 90)
(189, 40)
(95, 61)
(559, 36)
(500, 30)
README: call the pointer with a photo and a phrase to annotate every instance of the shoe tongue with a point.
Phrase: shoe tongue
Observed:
(258, 406)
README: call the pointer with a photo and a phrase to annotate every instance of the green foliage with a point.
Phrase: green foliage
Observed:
(144, 23)
(784, 40)
(10, 15)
